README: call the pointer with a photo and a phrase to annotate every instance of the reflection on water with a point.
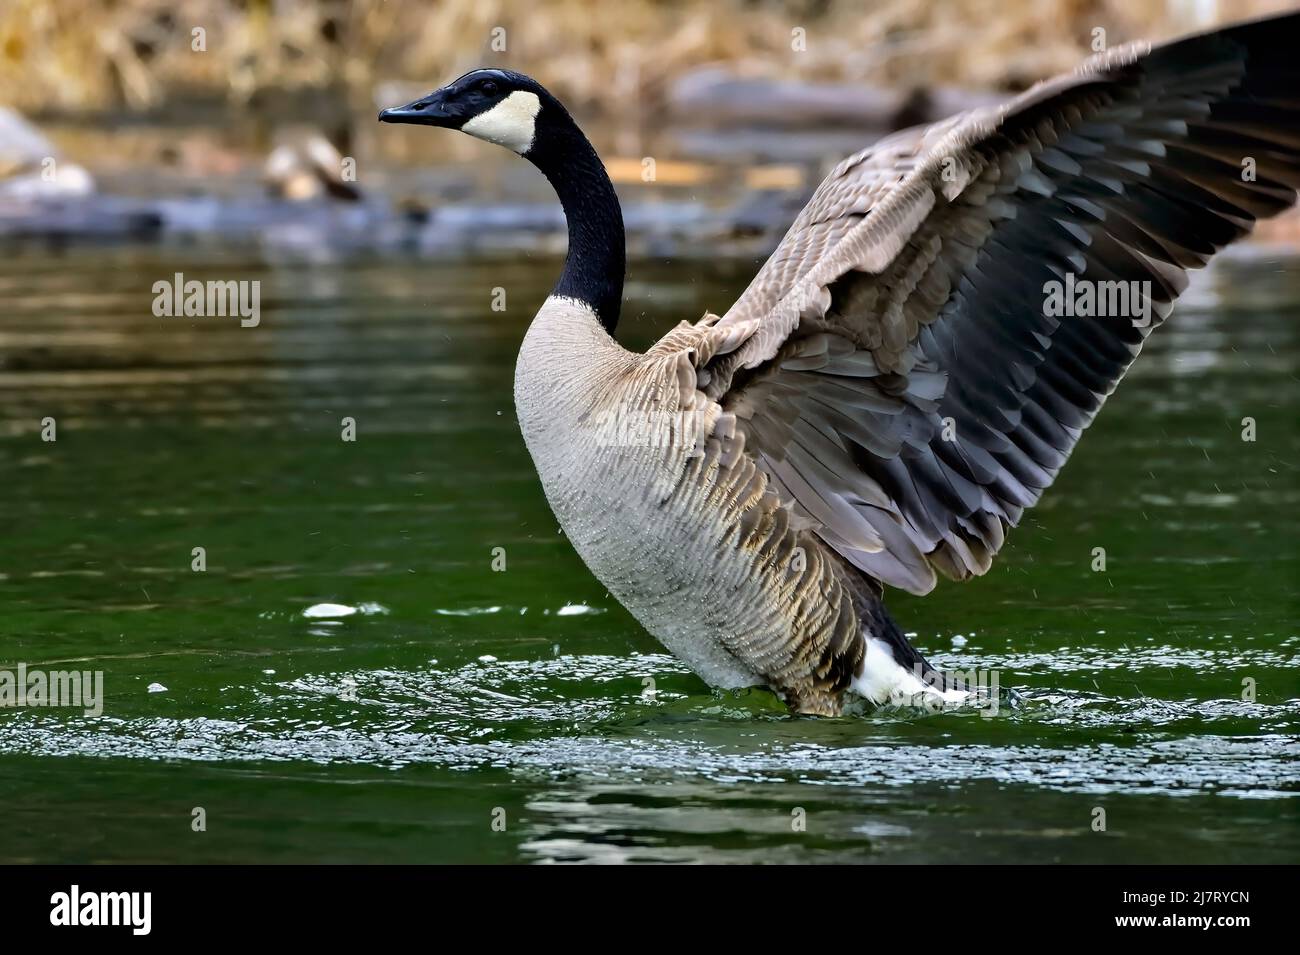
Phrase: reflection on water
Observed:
(349, 678)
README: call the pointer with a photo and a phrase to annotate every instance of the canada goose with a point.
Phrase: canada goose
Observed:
(31, 168)
(895, 386)
(308, 167)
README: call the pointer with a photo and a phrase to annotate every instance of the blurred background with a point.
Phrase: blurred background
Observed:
(742, 104)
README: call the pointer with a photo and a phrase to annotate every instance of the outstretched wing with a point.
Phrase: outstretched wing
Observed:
(905, 377)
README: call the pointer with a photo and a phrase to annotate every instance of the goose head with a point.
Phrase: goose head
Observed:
(498, 106)
(515, 111)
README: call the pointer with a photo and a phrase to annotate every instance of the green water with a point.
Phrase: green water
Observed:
(456, 696)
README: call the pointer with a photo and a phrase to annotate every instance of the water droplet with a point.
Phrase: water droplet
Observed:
(574, 610)
(329, 610)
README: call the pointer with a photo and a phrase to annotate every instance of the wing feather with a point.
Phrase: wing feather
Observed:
(895, 367)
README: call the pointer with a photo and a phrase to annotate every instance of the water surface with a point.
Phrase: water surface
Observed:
(454, 696)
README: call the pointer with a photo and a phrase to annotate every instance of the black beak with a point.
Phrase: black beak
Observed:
(428, 110)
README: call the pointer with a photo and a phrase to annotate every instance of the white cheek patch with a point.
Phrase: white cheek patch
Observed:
(510, 123)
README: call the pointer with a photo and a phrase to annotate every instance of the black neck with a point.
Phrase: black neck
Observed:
(594, 268)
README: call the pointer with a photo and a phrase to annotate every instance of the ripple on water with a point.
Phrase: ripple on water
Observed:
(592, 714)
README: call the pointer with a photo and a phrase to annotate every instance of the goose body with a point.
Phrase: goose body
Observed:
(627, 497)
(895, 386)
(669, 514)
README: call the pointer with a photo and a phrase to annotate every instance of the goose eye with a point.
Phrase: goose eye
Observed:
(489, 88)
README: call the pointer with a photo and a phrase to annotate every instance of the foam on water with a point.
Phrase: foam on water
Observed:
(588, 714)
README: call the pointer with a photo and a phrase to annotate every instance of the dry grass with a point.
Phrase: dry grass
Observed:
(91, 54)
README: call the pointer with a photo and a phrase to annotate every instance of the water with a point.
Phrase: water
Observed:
(455, 697)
